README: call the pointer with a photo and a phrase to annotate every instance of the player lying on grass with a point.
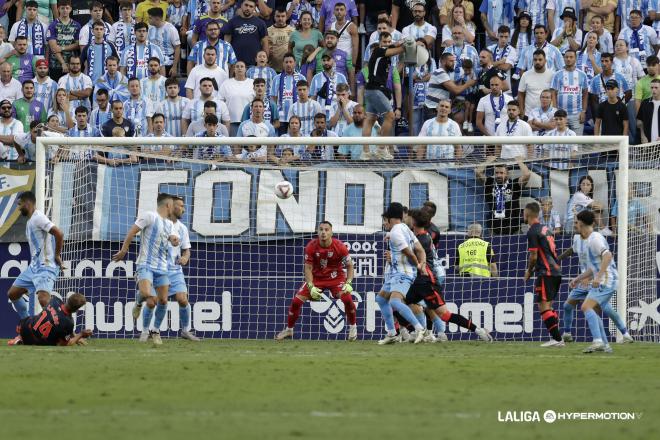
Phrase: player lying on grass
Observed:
(425, 290)
(406, 257)
(595, 254)
(325, 260)
(158, 236)
(544, 261)
(54, 325)
(579, 292)
(179, 256)
(46, 241)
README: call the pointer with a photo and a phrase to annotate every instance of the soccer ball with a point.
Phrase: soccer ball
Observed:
(284, 189)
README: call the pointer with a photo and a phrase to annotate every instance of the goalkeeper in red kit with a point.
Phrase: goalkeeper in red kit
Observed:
(325, 260)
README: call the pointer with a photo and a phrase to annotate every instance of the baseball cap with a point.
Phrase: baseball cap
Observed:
(41, 62)
(611, 84)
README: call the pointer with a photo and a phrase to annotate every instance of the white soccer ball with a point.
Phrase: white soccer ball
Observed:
(284, 189)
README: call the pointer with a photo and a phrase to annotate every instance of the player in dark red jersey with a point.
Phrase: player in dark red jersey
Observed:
(54, 325)
(425, 287)
(543, 259)
(325, 260)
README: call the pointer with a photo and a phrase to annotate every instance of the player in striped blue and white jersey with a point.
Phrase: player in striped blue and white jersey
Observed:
(565, 152)
(262, 69)
(135, 57)
(225, 55)
(406, 256)
(579, 292)
(305, 108)
(46, 241)
(283, 90)
(153, 86)
(172, 107)
(164, 35)
(597, 86)
(600, 271)
(570, 92)
(102, 113)
(157, 237)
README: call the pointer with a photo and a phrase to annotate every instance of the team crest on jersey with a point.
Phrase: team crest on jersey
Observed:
(330, 254)
(12, 183)
(334, 320)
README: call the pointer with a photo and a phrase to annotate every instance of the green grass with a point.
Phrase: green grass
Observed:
(334, 390)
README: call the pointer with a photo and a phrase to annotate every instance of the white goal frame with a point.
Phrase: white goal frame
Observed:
(620, 142)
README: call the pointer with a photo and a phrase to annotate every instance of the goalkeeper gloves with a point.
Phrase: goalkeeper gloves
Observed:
(314, 292)
(347, 288)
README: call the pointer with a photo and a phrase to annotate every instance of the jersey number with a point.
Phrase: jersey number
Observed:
(44, 328)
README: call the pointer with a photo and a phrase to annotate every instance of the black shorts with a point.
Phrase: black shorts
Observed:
(27, 336)
(546, 287)
(424, 289)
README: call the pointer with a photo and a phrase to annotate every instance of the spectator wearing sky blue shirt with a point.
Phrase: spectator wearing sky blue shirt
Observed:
(570, 89)
(211, 152)
(597, 87)
(353, 152)
(642, 39)
(495, 13)
(554, 60)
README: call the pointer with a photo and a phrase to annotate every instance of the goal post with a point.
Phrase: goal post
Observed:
(369, 184)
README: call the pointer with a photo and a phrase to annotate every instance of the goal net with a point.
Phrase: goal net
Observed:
(247, 244)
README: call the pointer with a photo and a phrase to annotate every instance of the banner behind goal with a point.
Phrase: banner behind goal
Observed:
(247, 244)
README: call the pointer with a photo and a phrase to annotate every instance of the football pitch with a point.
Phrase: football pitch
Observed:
(231, 389)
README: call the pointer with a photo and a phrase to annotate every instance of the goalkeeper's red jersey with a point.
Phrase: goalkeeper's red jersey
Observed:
(327, 262)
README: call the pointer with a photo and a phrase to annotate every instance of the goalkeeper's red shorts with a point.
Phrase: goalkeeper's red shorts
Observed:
(333, 286)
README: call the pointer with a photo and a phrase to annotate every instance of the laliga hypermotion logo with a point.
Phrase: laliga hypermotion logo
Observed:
(334, 311)
(643, 313)
(12, 183)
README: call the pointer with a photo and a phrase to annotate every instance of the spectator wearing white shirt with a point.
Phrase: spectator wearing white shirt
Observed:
(440, 126)
(568, 36)
(237, 92)
(564, 152)
(9, 127)
(533, 82)
(10, 88)
(512, 127)
(207, 70)
(491, 108)
(542, 118)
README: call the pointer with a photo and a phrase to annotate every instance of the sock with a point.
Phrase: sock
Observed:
(439, 325)
(294, 311)
(569, 315)
(21, 306)
(147, 314)
(421, 318)
(400, 321)
(405, 311)
(459, 320)
(349, 308)
(184, 317)
(386, 311)
(614, 316)
(139, 299)
(161, 311)
(602, 331)
(551, 321)
(594, 326)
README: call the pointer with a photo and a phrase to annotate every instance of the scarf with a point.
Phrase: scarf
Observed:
(637, 40)
(500, 199)
(125, 35)
(91, 56)
(37, 35)
(501, 56)
(131, 63)
(280, 94)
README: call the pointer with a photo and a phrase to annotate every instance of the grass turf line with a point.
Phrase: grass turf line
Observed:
(322, 390)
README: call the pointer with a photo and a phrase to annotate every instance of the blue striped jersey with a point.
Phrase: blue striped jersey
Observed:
(641, 45)
(270, 111)
(94, 56)
(285, 92)
(342, 123)
(76, 83)
(401, 237)
(559, 6)
(433, 128)
(194, 111)
(211, 152)
(42, 245)
(117, 86)
(466, 52)
(45, 91)
(630, 68)
(584, 64)
(12, 128)
(590, 253)
(79, 152)
(175, 14)
(559, 151)
(197, 8)
(416, 32)
(184, 243)
(543, 116)
(166, 38)
(306, 112)
(86, 35)
(569, 86)
(577, 239)
(265, 72)
(225, 54)
(521, 45)
(317, 83)
(597, 86)
(249, 128)
(154, 240)
(99, 117)
(157, 148)
(535, 8)
(153, 89)
(173, 111)
(625, 6)
(137, 111)
(124, 35)
(136, 59)
(553, 57)
(654, 5)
